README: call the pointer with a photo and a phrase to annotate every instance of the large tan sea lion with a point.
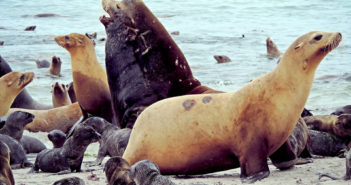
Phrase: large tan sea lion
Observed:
(143, 63)
(89, 77)
(196, 134)
(11, 85)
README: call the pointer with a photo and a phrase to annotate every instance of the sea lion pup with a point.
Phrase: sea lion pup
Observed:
(32, 145)
(18, 157)
(143, 63)
(70, 155)
(61, 118)
(348, 168)
(147, 173)
(272, 49)
(70, 181)
(60, 95)
(57, 137)
(89, 77)
(55, 66)
(337, 125)
(11, 84)
(325, 144)
(113, 140)
(23, 100)
(117, 172)
(6, 176)
(342, 110)
(288, 154)
(15, 124)
(71, 93)
(235, 129)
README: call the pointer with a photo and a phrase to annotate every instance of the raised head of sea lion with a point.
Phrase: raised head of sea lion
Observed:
(89, 77)
(15, 124)
(23, 100)
(147, 173)
(18, 157)
(6, 176)
(60, 95)
(57, 137)
(70, 155)
(11, 84)
(55, 66)
(229, 130)
(272, 49)
(117, 171)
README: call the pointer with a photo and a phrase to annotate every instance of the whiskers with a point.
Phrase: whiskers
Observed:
(332, 45)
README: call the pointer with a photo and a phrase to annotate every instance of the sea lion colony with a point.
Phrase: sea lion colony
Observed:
(142, 87)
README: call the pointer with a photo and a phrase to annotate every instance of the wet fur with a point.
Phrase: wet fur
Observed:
(15, 124)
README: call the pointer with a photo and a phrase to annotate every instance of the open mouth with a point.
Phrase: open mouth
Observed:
(332, 45)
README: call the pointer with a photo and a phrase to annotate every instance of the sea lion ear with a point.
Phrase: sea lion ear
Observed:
(10, 83)
(299, 45)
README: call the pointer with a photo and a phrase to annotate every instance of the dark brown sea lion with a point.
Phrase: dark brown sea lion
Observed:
(11, 84)
(272, 49)
(60, 96)
(342, 110)
(70, 155)
(57, 137)
(6, 176)
(23, 100)
(55, 66)
(143, 63)
(89, 77)
(71, 93)
(147, 173)
(113, 139)
(117, 172)
(325, 144)
(235, 129)
(15, 124)
(222, 59)
(32, 145)
(18, 157)
(337, 125)
(70, 181)
(30, 28)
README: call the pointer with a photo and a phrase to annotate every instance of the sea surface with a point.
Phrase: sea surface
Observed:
(235, 28)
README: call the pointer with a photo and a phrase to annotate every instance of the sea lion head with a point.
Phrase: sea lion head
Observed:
(20, 117)
(73, 40)
(117, 171)
(17, 81)
(345, 121)
(96, 123)
(4, 151)
(56, 60)
(86, 135)
(143, 169)
(312, 47)
(57, 137)
(59, 89)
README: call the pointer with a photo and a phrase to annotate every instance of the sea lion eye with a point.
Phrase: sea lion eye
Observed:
(318, 37)
(67, 37)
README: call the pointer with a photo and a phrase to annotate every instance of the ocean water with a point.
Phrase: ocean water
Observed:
(206, 28)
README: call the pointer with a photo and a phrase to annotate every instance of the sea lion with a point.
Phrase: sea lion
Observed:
(325, 144)
(15, 124)
(30, 28)
(89, 77)
(222, 59)
(70, 181)
(117, 171)
(6, 176)
(55, 66)
(61, 118)
(18, 157)
(23, 100)
(272, 49)
(113, 139)
(348, 168)
(71, 93)
(32, 145)
(70, 155)
(147, 173)
(11, 84)
(60, 95)
(229, 130)
(342, 110)
(143, 63)
(57, 137)
(337, 125)
(288, 154)
(42, 63)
